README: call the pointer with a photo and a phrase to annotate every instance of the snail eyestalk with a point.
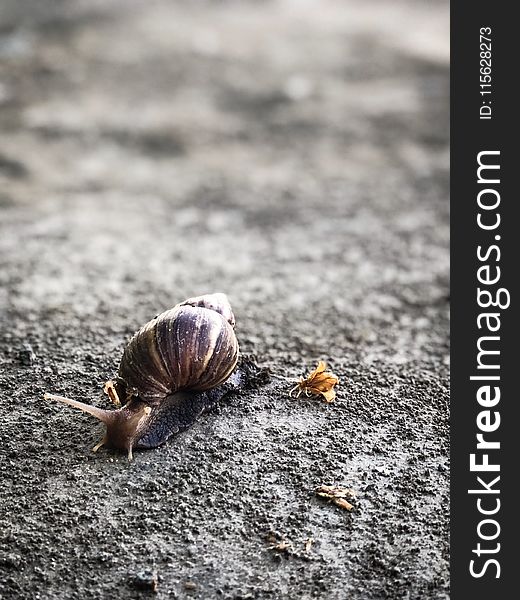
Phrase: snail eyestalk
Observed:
(105, 416)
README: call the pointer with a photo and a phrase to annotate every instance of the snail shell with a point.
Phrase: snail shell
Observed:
(170, 373)
(190, 347)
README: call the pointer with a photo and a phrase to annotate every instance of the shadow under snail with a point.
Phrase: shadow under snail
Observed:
(176, 367)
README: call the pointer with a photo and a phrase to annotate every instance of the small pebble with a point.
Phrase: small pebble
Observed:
(146, 580)
(11, 560)
(26, 355)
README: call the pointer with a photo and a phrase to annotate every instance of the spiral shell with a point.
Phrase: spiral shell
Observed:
(190, 347)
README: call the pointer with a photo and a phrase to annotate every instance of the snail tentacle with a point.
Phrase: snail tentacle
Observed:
(106, 416)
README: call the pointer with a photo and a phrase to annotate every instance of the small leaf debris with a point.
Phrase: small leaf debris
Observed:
(282, 546)
(337, 495)
(110, 390)
(318, 383)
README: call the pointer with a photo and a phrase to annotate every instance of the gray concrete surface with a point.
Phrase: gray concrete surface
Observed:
(295, 156)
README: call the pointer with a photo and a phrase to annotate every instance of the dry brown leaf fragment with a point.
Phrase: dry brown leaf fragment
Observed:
(342, 503)
(110, 390)
(319, 382)
(338, 495)
(335, 491)
(282, 546)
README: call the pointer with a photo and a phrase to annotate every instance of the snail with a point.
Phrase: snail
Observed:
(176, 367)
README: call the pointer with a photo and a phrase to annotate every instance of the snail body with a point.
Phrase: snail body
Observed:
(177, 366)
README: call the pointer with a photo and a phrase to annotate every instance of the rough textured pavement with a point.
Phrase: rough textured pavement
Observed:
(295, 156)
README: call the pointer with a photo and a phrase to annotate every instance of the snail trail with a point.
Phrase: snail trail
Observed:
(174, 369)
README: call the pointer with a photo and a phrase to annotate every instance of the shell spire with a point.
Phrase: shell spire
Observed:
(218, 302)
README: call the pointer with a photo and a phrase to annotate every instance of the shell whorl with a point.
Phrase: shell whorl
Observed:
(217, 302)
(190, 347)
